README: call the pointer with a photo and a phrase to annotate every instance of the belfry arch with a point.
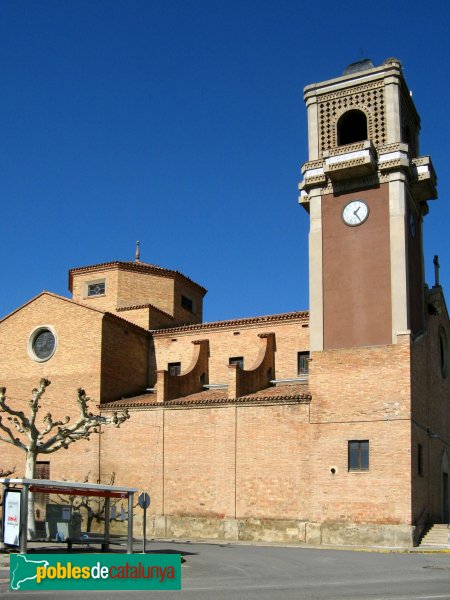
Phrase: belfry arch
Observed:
(352, 127)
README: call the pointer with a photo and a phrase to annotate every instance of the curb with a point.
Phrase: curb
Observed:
(376, 549)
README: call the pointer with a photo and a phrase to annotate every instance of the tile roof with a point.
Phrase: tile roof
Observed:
(282, 394)
(137, 306)
(291, 316)
(139, 267)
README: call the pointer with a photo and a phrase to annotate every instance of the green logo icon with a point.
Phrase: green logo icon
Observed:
(95, 572)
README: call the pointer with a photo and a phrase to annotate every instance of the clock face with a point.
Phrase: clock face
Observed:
(355, 213)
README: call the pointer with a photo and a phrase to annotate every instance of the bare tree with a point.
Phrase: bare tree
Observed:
(54, 435)
(95, 507)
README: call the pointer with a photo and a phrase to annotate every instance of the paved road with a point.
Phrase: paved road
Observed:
(234, 572)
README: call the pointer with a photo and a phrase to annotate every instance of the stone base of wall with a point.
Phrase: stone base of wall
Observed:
(280, 530)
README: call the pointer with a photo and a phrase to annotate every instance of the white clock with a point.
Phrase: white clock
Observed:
(355, 213)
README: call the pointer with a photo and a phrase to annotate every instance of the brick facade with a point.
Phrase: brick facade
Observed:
(258, 461)
(241, 443)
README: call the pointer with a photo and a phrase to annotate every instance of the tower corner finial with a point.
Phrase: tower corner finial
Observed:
(436, 270)
(138, 252)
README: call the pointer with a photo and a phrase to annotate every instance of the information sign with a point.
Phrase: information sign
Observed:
(11, 520)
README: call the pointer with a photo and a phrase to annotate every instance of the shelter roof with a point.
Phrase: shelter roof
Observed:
(70, 486)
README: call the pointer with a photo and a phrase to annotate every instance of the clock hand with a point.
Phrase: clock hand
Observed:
(355, 212)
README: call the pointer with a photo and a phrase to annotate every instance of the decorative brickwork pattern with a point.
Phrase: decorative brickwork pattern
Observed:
(369, 98)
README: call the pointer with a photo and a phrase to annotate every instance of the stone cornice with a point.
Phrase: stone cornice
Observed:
(211, 402)
(301, 316)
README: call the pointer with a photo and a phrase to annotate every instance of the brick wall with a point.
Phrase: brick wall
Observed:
(361, 384)
(106, 302)
(181, 314)
(145, 288)
(430, 410)
(232, 341)
(124, 368)
(138, 316)
(273, 478)
(266, 462)
(134, 453)
(199, 462)
(194, 376)
(124, 287)
(380, 495)
(76, 363)
(258, 376)
(218, 462)
(361, 394)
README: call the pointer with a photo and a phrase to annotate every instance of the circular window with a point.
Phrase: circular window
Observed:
(443, 351)
(42, 344)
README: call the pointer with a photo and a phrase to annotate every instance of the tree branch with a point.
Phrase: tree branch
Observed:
(12, 440)
(34, 402)
(6, 408)
(86, 424)
(17, 424)
(52, 424)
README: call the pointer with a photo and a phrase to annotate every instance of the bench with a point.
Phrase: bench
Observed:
(86, 541)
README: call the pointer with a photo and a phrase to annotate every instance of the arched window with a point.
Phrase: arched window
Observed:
(352, 127)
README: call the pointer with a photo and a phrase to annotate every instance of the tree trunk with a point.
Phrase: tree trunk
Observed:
(30, 472)
(90, 518)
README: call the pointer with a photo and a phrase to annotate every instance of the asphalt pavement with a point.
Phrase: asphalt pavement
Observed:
(229, 571)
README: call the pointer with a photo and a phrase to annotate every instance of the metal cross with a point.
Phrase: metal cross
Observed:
(436, 269)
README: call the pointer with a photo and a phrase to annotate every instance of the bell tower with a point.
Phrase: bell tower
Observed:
(366, 189)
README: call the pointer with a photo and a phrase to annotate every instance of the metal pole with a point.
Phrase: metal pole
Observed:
(145, 528)
(107, 517)
(23, 519)
(130, 523)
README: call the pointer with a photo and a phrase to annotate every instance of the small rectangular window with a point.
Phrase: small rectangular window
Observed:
(420, 460)
(302, 363)
(174, 368)
(42, 469)
(187, 303)
(96, 289)
(237, 360)
(358, 455)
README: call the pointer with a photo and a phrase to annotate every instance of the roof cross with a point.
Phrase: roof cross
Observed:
(138, 252)
(436, 270)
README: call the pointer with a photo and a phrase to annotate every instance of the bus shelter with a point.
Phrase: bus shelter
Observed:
(18, 493)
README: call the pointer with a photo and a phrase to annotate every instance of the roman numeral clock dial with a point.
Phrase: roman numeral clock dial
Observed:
(355, 213)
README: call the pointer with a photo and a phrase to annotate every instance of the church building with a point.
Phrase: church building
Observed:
(329, 425)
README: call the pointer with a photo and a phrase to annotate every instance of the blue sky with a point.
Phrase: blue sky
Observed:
(181, 123)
